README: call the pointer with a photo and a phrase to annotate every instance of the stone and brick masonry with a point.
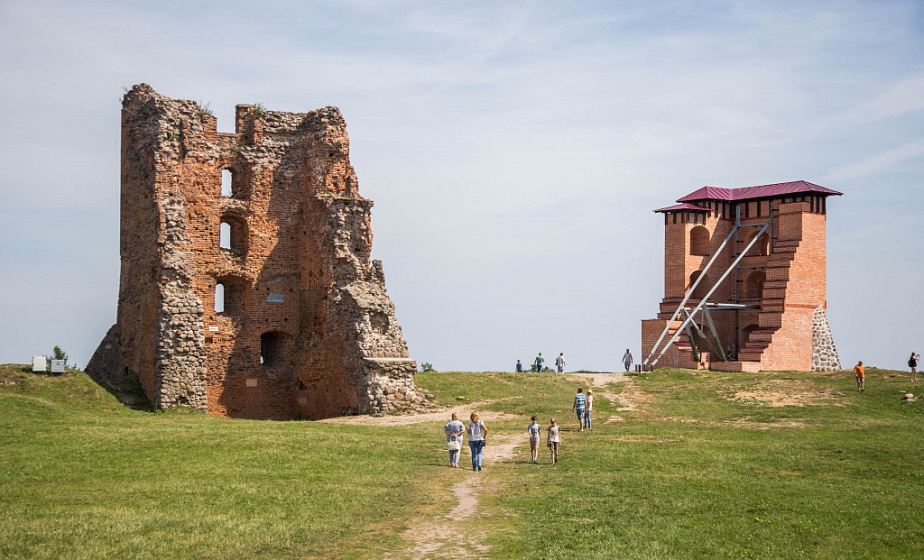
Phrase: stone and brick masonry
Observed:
(256, 299)
(783, 277)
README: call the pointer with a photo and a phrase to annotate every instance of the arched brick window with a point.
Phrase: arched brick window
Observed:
(232, 235)
(219, 298)
(755, 285)
(699, 241)
(703, 287)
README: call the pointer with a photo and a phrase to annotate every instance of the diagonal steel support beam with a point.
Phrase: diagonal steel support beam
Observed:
(704, 301)
(686, 298)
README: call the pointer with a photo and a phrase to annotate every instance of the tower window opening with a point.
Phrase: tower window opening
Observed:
(226, 179)
(699, 241)
(702, 289)
(755, 285)
(229, 296)
(232, 235)
(224, 236)
(272, 348)
(219, 298)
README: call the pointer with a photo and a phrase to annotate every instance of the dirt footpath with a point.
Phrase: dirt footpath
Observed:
(446, 536)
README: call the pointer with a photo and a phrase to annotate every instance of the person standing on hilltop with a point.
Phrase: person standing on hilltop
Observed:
(540, 361)
(913, 364)
(560, 362)
(627, 359)
(519, 366)
(860, 372)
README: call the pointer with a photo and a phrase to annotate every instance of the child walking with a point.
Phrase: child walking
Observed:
(534, 430)
(554, 440)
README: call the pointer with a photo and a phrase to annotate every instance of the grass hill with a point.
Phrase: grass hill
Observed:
(680, 464)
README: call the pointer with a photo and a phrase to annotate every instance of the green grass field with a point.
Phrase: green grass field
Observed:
(705, 466)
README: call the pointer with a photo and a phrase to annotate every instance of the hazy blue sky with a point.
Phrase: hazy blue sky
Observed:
(514, 151)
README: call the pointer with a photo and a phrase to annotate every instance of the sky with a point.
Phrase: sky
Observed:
(514, 152)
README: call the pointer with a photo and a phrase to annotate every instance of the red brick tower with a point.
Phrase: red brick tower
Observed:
(761, 253)
(254, 297)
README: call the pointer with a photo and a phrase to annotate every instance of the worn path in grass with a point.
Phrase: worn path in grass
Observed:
(441, 537)
(627, 400)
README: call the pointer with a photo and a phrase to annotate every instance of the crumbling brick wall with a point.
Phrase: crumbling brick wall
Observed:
(302, 325)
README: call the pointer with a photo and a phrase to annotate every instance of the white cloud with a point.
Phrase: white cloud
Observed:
(907, 96)
(878, 162)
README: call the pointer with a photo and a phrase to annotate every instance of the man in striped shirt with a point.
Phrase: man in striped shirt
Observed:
(580, 402)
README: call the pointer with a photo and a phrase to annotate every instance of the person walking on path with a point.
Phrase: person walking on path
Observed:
(560, 363)
(477, 431)
(454, 430)
(540, 361)
(579, 406)
(913, 364)
(534, 430)
(554, 440)
(860, 372)
(627, 360)
(519, 366)
(588, 407)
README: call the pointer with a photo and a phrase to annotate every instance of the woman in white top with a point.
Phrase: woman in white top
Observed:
(476, 434)
(454, 430)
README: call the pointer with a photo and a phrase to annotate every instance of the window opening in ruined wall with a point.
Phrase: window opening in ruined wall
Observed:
(219, 298)
(229, 296)
(226, 181)
(232, 235)
(699, 241)
(224, 235)
(272, 347)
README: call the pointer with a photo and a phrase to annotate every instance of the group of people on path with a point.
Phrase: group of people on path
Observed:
(539, 362)
(477, 432)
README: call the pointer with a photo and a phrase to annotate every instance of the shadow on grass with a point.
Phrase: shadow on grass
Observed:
(127, 391)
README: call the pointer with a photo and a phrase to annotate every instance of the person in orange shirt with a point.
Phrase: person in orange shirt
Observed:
(861, 375)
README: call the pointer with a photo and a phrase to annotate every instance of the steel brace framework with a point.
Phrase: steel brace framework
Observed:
(688, 314)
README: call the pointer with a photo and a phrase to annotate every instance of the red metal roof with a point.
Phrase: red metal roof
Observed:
(684, 206)
(761, 191)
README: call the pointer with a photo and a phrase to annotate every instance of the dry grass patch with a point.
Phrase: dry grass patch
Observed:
(786, 392)
(744, 423)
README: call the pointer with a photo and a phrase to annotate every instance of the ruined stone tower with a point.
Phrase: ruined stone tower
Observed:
(769, 312)
(252, 296)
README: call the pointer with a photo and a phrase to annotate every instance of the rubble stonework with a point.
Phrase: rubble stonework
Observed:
(283, 315)
(824, 354)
